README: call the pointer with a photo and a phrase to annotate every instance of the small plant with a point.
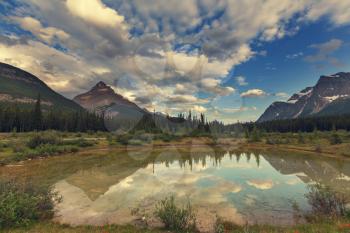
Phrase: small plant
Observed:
(22, 204)
(325, 203)
(222, 226)
(219, 226)
(175, 218)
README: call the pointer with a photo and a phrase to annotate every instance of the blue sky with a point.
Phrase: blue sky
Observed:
(227, 58)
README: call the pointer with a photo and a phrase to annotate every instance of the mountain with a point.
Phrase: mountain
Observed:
(103, 98)
(21, 87)
(330, 96)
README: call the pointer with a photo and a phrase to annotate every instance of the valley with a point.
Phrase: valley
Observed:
(114, 164)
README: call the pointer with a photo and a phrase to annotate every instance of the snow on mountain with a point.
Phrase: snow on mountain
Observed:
(329, 90)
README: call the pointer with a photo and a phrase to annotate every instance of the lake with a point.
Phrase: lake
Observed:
(123, 186)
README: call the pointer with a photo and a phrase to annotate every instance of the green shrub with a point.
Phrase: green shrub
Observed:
(175, 218)
(123, 139)
(43, 139)
(79, 142)
(335, 139)
(325, 203)
(165, 137)
(219, 226)
(44, 151)
(21, 205)
(222, 226)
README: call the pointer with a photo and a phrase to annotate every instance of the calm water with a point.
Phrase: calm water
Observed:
(240, 186)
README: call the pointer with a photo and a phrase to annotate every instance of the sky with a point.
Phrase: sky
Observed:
(229, 59)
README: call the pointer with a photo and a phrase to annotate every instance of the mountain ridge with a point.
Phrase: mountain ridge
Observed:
(20, 86)
(322, 99)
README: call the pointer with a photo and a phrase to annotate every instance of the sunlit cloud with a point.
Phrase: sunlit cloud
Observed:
(261, 184)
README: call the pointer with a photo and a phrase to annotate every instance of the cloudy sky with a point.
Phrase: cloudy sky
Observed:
(227, 58)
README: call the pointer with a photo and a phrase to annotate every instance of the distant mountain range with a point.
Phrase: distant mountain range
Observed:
(330, 96)
(20, 87)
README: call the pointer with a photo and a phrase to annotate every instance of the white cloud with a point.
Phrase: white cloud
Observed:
(235, 110)
(324, 52)
(261, 184)
(282, 95)
(99, 44)
(294, 55)
(253, 93)
(59, 70)
(47, 34)
(241, 81)
(199, 109)
(94, 11)
(337, 10)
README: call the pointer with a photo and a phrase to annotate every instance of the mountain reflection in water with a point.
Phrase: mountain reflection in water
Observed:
(238, 186)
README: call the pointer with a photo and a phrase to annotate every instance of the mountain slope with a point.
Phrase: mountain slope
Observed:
(330, 96)
(19, 86)
(340, 106)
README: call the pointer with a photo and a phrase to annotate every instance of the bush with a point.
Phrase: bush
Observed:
(325, 203)
(45, 151)
(165, 137)
(123, 139)
(21, 205)
(174, 218)
(335, 139)
(222, 226)
(79, 142)
(43, 139)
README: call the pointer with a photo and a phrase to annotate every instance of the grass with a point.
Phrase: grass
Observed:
(19, 147)
(48, 227)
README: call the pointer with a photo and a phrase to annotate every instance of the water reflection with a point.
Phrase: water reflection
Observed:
(238, 186)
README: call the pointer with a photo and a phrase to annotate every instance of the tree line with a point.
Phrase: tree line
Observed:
(20, 119)
(182, 124)
(310, 124)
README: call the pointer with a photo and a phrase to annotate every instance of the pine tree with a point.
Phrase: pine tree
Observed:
(37, 115)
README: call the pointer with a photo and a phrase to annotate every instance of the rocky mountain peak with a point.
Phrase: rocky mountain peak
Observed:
(102, 87)
(311, 100)
(100, 96)
(101, 84)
